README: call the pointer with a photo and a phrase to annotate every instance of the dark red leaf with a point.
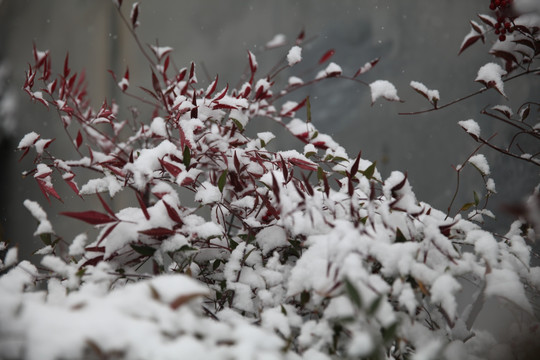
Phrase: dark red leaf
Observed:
(66, 66)
(252, 62)
(47, 189)
(275, 187)
(90, 217)
(354, 168)
(134, 15)
(476, 27)
(105, 206)
(296, 108)
(95, 248)
(107, 232)
(171, 168)
(366, 67)
(93, 261)
(194, 111)
(470, 40)
(158, 232)
(142, 205)
(172, 213)
(79, 139)
(212, 88)
(306, 165)
(222, 94)
(326, 56)
(486, 20)
(155, 84)
(300, 37)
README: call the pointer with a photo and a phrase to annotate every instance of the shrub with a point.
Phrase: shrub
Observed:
(231, 250)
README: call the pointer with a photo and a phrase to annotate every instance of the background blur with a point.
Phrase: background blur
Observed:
(416, 40)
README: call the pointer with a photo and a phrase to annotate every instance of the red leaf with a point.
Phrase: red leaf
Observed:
(327, 55)
(222, 94)
(296, 108)
(93, 261)
(47, 189)
(142, 205)
(107, 232)
(105, 206)
(486, 20)
(173, 169)
(300, 37)
(172, 213)
(354, 168)
(366, 67)
(91, 217)
(194, 111)
(66, 66)
(134, 15)
(469, 40)
(252, 62)
(79, 139)
(73, 186)
(95, 249)
(306, 165)
(211, 88)
(158, 232)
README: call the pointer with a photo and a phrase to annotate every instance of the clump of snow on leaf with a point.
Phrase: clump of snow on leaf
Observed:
(479, 161)
(490, 75)
(383, 88)
(471, 127)
(295, 55)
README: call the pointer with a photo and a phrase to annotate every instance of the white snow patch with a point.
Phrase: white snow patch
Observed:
(332, 69)
(295, 55)
(479, 161)
(471, 127)
(28, 140)
(491, 76)
(383, 88)
(208, 193)
(506, 284)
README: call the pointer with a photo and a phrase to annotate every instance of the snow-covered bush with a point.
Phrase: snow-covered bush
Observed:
(251, 253)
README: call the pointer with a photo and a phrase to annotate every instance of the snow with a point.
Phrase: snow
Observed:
(506, 284)
(443, 291)
(383, 88)
(107, 183)
(479, 161)
(490, 75)
(77, 246)
(332, 69)
(270, 238)
(294, 56)
(28, 140)
(208, 193)
(12, 257)
(276, 41)
(471, 127)
(39, 214)
(432, 95)
(158, 127)
(295, 81)
(361, 345)
(266, 136)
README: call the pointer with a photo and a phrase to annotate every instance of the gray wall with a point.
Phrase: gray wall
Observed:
(417, 40)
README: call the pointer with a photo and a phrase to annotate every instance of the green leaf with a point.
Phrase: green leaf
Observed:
(374, 306)
(144, 249)
(238, 124)
(476, 198)
(369, 171)
(304, 297)
(353, 294)
(315, 134)
(186, 157)
(389, 333)
(222, 180)
(46, 238)
(466, 206)
(400, 238)
(233, 244)
(216, 264)
(320, 173)
(283, 310)
(187, 248)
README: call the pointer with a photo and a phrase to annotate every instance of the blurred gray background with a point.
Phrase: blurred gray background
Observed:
(416, 40)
